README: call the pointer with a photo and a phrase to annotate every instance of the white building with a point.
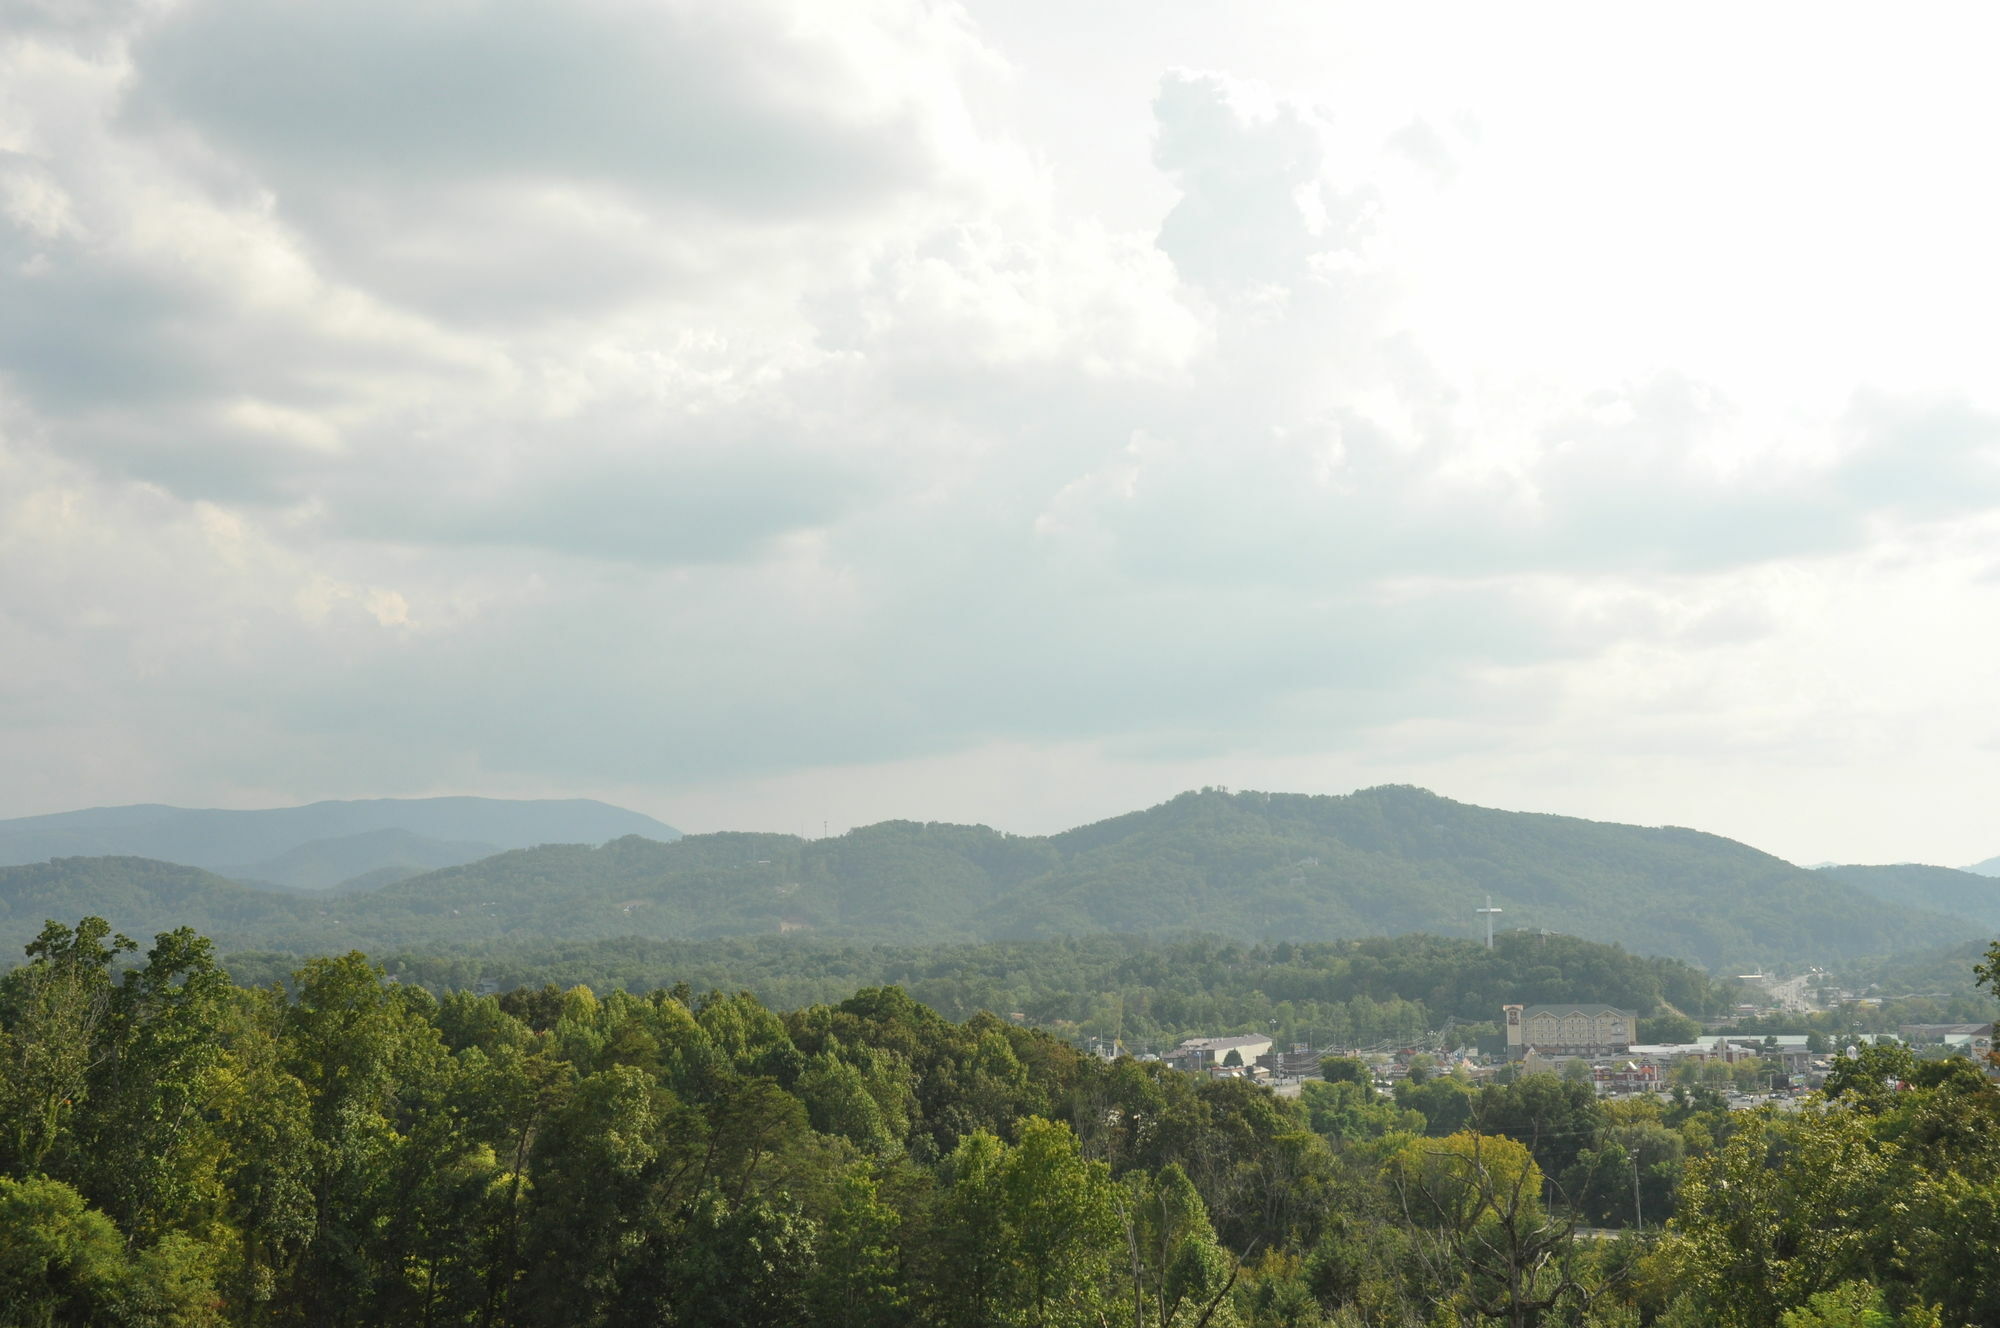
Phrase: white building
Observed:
(1202, 1053)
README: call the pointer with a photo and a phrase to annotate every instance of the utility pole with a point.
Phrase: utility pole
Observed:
(1638, 1215)
(1489, 911)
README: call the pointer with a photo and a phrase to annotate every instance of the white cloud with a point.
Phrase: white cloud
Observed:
(763, 403)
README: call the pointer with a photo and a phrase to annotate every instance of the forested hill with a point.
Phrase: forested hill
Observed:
(1396, 858)
(145, 898)
(1245, 866)
(324, 844)
(1910, 885)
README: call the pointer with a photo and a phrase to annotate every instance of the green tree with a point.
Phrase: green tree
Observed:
(52, 1010)
(968, 1264)
(1179, 1272)
(1347, 1112)
(1856, 1305)
(1446, 1103)
(857, 1281)
(1338, 1069)
(363, 1052)
(145, 1140)
(1788, 1208)
(1473, 1206)
(61, 1261)
(1061, 1223)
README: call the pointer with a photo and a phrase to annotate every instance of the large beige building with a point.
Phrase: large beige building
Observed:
(1200, 1053)
(1569, 1030)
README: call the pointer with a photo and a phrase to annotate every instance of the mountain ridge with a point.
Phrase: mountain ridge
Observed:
(1248, 866)
(1966, 894)
(321, 844)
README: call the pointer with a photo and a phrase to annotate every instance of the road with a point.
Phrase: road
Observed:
(1793, 994)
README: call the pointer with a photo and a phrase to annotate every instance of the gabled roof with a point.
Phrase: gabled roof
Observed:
(1222, 1043)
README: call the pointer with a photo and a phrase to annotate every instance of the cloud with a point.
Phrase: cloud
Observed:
(395, 399)
(1253, 204)
(491, 161)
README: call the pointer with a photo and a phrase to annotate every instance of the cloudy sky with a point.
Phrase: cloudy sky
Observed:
(778, 413)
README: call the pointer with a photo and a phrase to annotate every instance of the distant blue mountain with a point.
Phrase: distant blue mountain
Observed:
(324, 844)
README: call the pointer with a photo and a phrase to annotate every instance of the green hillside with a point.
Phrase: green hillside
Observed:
(1252, 867)
(1128, 985)
(1909, 885)
(140, 898)
(1392, 859)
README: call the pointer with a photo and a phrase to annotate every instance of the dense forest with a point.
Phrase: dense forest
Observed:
(1251, 867)
(176, 1149)
(1962, 894)
(1144, 995)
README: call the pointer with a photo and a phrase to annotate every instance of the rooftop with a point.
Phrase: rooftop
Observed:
(1223, 1043)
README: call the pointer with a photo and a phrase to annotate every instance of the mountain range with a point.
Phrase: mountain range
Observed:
(1249, 866)
(324, 845)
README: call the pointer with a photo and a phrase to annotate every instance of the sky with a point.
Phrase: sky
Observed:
(793, 414)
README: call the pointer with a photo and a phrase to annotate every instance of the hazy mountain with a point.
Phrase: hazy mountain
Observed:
(1250, 866)
(367, 860)
(1990, 867)
(325, 842)
(1909, 885)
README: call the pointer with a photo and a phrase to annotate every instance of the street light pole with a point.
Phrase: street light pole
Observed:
(1638, 1214)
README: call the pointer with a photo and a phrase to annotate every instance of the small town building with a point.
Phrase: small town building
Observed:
(1294, 1064)
(1207, 1053)
(1568, 1030)
(1974, 1040)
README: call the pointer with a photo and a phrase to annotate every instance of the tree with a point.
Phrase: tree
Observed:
(1669, 1028)
(1344, 1069)
(967, 1264)
(61, 1261)
(361, 1050)
(857, 1281)
(144, 1152)
(1446, 1103)
(51, 1013)
(1347, 1112)
(1855, 1305)
(1179, 1272)
(1555, 1118)
(1472, 1203)
(1788, 1208)
(1061, 1223)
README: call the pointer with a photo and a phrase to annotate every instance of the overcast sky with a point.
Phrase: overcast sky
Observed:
(777, 413)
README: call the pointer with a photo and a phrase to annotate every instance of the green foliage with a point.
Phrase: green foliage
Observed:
(1251, 867)
(1446, 1103)
(60, 1260)
(1964, 894)
(1664, 1029)
(1349, 1112)
(1343, 1069)
(346, 1149)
